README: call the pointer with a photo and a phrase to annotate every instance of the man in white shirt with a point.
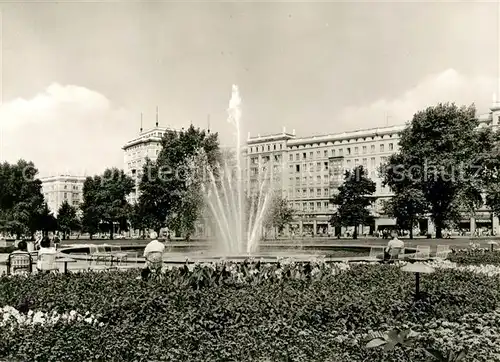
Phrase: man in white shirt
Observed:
(154, 245)
(153, 254)
(45, 248)
(394, 243)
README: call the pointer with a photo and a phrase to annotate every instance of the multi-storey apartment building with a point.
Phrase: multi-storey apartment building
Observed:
(136, 151)
(311, 169)
(57, 189)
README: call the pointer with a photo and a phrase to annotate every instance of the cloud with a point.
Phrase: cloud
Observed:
(65, 130)
(447, 86)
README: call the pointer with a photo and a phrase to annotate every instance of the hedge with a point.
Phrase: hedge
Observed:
(300, 312)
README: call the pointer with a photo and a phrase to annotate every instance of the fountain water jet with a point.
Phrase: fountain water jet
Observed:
(238, 231)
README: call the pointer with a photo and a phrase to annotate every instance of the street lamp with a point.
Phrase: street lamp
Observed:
(417, 268)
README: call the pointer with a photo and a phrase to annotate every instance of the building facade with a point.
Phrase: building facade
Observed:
(57, 189)
(137, 151)
(310, 170)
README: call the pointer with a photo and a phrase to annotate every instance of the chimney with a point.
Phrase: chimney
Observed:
(293, 132)
(284, 129)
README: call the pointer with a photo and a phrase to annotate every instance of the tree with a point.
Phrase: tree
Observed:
(170, 189)
(90, 212)
(104, 200)
(406, 207)
(21, 199)
(45, 220)
(112, 197)
(439, 151)
(280, 213)
(67, 219)
(353, 199)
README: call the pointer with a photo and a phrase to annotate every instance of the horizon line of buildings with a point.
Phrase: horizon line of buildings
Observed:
(308, 170)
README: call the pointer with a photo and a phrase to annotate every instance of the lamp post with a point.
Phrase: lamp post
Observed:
(417, 268)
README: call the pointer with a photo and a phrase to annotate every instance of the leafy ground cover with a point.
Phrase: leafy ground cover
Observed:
(290, 312)
(475, 257)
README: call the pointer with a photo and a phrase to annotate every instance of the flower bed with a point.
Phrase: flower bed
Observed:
(476, 257)
(286, 312)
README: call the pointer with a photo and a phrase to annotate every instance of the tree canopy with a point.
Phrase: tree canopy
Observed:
(67, 219)
(353, 199)
(22, 206)
(170, 189)
(104, 200)
(440, 153)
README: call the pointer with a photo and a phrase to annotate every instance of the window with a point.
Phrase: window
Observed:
(372, 162)
(333, 153)
(318, 192)
(365, 163)
(274, 147)
(356, 162)
(391, 147)
(304, 192)
(318, 153)
(251, 149)
(304, 179)
(348, 163)
(356, 150)
(325, 192)
(318, 166)
(281, 146)
(325, 179)
(310, 179)
(297, 168)
(304, 156)
(318, 179)
(325, 205)
(326, 166)
(341, 152)
(325, 153)
(268, 147)
(364, 150)
(65, 195)
(297, 157)
(311, 206)
(372, 149)
(297, 180)
(318, 206)
(311, 154)
(291, 157)
(311, 192)
(381, 148)
(348, 151)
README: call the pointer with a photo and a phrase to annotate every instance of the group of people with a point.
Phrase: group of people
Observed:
(44, 246)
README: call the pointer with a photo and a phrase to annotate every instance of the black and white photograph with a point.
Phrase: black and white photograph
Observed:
(249, 181)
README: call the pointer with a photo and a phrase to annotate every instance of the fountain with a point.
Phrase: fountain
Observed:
(238, 218)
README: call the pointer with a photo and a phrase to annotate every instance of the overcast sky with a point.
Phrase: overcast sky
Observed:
(76, 76)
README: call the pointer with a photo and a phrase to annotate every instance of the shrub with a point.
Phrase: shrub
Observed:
(242, 312)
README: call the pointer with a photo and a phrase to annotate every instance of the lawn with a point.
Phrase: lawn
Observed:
(250, 312)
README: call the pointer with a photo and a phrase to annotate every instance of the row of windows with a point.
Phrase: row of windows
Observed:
(312, 206)
(273, 147)
(311, 179)
(349, 151)
(325, 192)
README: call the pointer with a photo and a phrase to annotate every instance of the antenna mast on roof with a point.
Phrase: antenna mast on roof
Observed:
(157, 116)
(141, 122)
(208, 123)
